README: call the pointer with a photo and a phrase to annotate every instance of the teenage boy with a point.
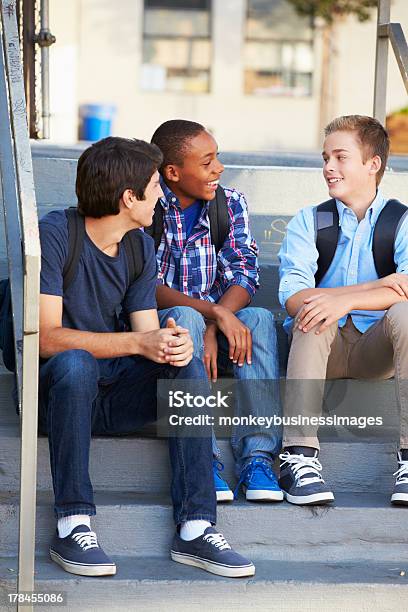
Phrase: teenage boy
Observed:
(208, 292)
(96, 379)
(349, 320)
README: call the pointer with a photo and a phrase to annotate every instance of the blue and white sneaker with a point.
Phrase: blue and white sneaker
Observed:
(80, 553)
(222, 489)
(400, 493)
(300, 478)
(212, 553)
(259, 481)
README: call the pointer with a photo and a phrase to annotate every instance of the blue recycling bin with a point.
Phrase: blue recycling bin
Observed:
(96, 120)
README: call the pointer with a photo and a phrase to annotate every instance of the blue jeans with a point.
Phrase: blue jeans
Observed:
(260, 398)
(81, 395)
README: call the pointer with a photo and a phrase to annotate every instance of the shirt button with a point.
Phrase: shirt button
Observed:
(174, 199)
(179, 225)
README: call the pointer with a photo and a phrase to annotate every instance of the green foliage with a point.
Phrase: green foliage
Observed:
(402, 111)
(329, 10)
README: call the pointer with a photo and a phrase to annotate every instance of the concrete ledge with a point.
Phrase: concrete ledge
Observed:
(269, 189)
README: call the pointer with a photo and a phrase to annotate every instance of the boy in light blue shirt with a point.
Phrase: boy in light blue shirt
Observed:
(349, 320)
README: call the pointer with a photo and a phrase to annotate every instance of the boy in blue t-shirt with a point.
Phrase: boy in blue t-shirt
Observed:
(97, 379)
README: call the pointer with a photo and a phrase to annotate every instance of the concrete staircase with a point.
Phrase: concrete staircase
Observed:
(352, 556)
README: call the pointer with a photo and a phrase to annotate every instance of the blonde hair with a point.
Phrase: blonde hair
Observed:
(372, 136)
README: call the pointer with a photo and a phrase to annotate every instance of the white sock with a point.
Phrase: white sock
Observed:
(67, 523)
(190, 530)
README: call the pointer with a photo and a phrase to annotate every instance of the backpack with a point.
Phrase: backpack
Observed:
(133, 243)
(217, 214)
(385, 232)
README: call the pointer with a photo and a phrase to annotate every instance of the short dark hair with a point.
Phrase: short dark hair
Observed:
(109, 167)
(172, 138)
(372, 136)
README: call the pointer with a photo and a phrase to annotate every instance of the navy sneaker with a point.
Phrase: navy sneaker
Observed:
(79, 553)
(222, 490)
(400, 493)
(211, 552)
(300, 478)
(259, 482)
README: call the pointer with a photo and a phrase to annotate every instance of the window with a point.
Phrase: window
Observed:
(278, 50)
(177, 46)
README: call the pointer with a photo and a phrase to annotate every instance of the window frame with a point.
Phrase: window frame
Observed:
(281, 42)
(178, 37)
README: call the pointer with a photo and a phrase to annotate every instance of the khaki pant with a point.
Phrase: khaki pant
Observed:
(380, 353)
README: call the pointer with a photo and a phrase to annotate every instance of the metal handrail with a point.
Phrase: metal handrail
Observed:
(387, 31)
(23, 242)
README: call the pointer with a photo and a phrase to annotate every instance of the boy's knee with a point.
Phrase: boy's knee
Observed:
(257, 318)
(74, 367)
(313, 339)
(397, 317)
(189, 318)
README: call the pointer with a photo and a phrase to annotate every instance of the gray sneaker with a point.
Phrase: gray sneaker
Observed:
(211, 552)
(300, 478)
(400, 494)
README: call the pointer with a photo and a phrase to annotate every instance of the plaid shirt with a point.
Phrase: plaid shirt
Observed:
(202, 273)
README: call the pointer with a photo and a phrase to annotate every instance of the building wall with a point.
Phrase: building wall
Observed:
(98, 59)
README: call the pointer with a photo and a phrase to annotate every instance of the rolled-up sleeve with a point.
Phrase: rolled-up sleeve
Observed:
(298, 256)
(238, 257)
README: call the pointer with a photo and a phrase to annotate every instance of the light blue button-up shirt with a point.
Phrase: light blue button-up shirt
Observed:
(353, 262)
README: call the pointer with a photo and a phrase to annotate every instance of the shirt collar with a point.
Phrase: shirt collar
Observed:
(372, 212)
(167, 195)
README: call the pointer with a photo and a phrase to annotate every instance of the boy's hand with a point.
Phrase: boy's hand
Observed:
(180, 349)
(324, 309)
(396, 281)
(211, 351)
(238, 335)
(171, 345)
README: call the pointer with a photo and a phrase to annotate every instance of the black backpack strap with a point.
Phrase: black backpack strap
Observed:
(155, 230)
(327, 236)
(219, 218)
(133, 243)
(385, 231)
(76, 235)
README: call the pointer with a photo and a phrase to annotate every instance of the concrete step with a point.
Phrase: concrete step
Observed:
(358, 526)
(144, 584)
(142, 464)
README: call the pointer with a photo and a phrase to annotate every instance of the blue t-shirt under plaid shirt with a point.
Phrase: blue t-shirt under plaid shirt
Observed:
(190, 264)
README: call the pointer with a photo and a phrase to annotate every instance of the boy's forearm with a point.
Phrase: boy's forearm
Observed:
(169, 298)
(235, 298)
(100, 345)
(366, 296)
(296, 301)
(379, 298)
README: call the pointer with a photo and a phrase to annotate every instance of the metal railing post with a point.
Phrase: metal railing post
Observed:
(400, 48)
(381, 62)
(31, 259)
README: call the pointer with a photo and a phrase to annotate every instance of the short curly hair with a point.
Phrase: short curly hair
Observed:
(172, 138)
(372, 136)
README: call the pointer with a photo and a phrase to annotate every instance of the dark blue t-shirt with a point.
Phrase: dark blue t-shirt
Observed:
(100, 289)
(191, 216)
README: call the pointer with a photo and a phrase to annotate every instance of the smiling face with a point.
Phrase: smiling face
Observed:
(198, 177)
(349, 178)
